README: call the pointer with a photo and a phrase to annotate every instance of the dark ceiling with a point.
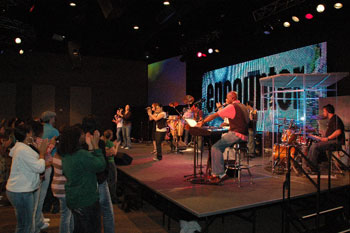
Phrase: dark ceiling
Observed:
(105, 27)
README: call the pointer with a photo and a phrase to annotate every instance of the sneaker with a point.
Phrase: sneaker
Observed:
(127, 148)
(47, 220)
(46, 225)
(155, 158)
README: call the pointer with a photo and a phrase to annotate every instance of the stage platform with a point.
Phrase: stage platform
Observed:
(165, 180)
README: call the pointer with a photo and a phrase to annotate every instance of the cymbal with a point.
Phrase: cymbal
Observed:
(188, 99)
(173, 104)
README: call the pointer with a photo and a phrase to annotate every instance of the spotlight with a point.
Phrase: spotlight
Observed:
(18, 40)
(210, 50)
(136, 27)
(217, 51)
(309, 16)
(320, 8)
(199, 54)
(295, 19)
(204, 55)
(166, 3)
(21, 51)
(286, 24)
(338, 5)
(72, 4)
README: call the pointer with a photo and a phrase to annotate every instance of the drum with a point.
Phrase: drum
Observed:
(288, 136)
(172, 123)
(180, 127)
(301, 140)
(280, 151)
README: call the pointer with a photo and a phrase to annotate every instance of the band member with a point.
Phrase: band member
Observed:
(153, 128)
(127, 123)
(187, 114)
(119, 124)
(238, 116)
(159, 116)
(251, 128)
(334, 135)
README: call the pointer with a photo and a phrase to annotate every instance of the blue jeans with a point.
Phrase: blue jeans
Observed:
(39, 217)
(119, 134)
(106, 208)
(126, 135)
(24, 204)
(318, 149)
(66, 220)
(217, 150)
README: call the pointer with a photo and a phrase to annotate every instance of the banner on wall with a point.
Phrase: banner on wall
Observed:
(244, 77)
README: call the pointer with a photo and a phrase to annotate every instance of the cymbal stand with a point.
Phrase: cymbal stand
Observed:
(277, 161)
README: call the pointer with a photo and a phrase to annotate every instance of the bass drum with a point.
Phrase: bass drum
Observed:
(280, 151)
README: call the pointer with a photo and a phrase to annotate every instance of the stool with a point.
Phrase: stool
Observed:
(240, 151)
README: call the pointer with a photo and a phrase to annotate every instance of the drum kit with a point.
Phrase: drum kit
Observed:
(176, 123)
(292, 136)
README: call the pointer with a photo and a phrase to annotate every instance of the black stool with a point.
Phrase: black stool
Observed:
(240, 151)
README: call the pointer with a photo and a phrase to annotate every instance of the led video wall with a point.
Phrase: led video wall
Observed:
(244, 77)
(167, 81)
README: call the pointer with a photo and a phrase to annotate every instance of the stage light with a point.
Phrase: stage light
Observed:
(204, 55)
(320, 8)
(21, 51)
(309, 16)
(136, 27)
(286, 24)
(18, 40)
(210, 50)
(72, 4)
(199, 54)
(268, 29)
(338, 5)
(302, 118)
(295, 19)
(217, 51)
(166, 3)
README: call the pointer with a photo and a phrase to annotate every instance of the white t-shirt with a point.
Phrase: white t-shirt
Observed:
(162, 129)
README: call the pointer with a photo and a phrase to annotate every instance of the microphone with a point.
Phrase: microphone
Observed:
(199, 101)
(223, 105)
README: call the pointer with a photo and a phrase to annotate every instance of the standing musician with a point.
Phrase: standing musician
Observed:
(153, 109)
(238, 116)
(334, 135)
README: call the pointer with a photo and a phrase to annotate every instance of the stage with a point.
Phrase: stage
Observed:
(163, 184)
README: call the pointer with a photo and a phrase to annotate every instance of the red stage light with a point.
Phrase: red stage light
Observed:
(199, 54)
(309, 16)
(32, 8)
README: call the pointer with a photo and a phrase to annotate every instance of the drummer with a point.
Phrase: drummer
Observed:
(188, 114)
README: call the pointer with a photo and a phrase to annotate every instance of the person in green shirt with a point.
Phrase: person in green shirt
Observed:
(80, 167)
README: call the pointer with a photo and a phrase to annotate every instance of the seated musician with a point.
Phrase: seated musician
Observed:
(238, 116)
(334, 136)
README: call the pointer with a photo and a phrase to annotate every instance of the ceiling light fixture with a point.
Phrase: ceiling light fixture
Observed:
(295, 19)
(199, 54)
(166, 3)
(286, 24)
(217, 51)
(338, 5)
(210, 50)
(136, 27)
(320, 8)
(21, 51)
(18, 40)
(72, 4)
